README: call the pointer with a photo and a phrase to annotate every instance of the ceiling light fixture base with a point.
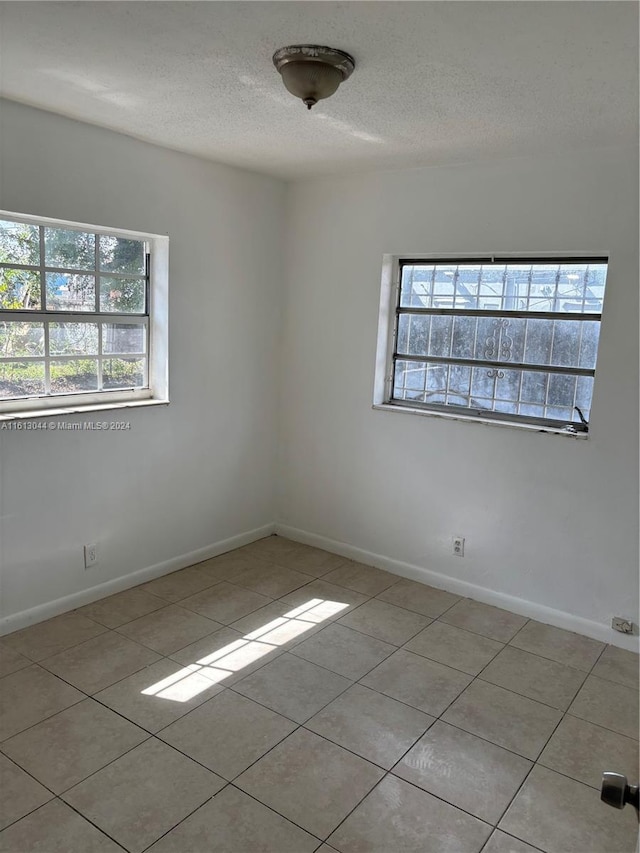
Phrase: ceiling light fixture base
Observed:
(312, 72)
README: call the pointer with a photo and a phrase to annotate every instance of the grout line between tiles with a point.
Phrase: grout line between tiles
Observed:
(536, 764)
(373, 636)
(275, 811)
(31, 811)
(515, 838)
(95, 825)
(186, 817)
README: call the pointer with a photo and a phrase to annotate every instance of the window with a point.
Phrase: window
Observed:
(510, 339)
(82, 316)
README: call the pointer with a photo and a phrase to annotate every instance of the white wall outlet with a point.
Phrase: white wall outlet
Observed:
(625, 626)
(90, 555)
(458, 546)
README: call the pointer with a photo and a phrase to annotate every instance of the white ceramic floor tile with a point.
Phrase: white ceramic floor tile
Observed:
(292, 779)
(558, 645)
(483, 619)
(558, 814)
(242, 825)
(55, 635)
(227, 733)
(144, 794)
(293, 687)
(608, 704)
(19, 793)
(535, 677)
(504, 718)
(394, 625)
(454, 647)
(464, 770)
(584, 751)
(618, 665)
(55, 828)
(344, 651)
(398, 817)
(99, 662)
(371, 725)
(417, 681)
(123, 607)
(419, 597)
(68, 747)
(159, 694)
(31, 695)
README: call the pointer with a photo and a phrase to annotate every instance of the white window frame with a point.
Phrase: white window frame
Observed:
(157, 392)
(384, 364)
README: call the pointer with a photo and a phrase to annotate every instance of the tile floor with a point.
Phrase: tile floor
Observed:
(281, 699)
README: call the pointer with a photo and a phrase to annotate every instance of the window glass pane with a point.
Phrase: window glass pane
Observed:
(123, 373)
(19, 289)
(464, 336)
(584, 393)
(559, 413)
(562, 390)
(530, 410)
(122, 295)
(123, 338)
(553, 287)
(120, 255)
(71, 377)
(589, 344)
(436, 386)
(21, 379)
(482, 386)
(19, 243)
(73, 338)
(440, 336)
(70, 292)
(459, 385)
(516, 287)
(534, 386)
(511, 339)
(490, 288)
(595, 279)
(444, 286)
(416, 286)
(69, 249)
(413, 334)
(530, 393)
(508, 385)
(466, 284)
(539, 341)
(543, 287)
(409, 380)
(566, 343)
(20, 339)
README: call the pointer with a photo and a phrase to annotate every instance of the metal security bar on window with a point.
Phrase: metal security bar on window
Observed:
(74, 312)
(502, 339)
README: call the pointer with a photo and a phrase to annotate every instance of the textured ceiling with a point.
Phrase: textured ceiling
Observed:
(435, 82)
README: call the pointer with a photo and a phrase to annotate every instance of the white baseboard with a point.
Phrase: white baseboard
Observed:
(539, 612)
(24, 618)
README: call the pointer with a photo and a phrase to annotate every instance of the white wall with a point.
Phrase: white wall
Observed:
(548, 519)
(185, 476)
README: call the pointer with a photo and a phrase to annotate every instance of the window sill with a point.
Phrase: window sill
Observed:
(26, 415)
(474, 419)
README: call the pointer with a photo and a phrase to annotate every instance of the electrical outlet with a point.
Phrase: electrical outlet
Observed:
(458, 546)
(90, 556)
(623, 625)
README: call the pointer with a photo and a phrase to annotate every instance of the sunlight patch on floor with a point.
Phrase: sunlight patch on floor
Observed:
(191, 680)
